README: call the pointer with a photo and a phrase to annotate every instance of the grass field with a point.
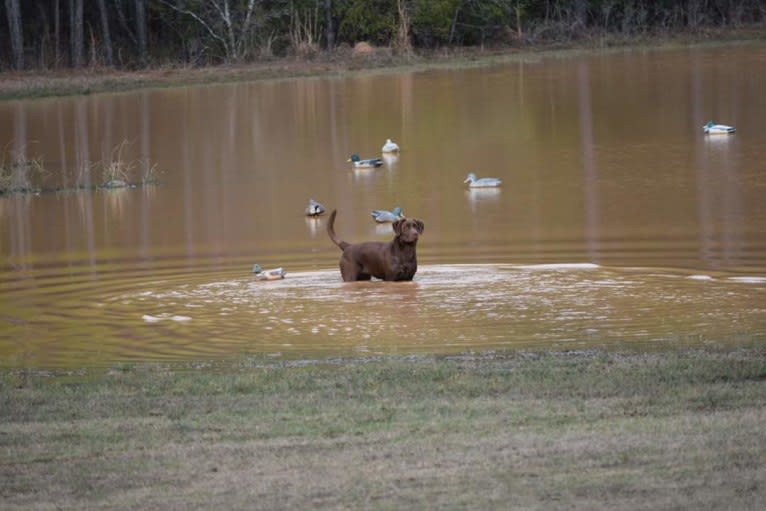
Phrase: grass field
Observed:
(586, 430)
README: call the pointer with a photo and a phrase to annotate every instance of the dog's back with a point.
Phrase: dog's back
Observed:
(393, 260)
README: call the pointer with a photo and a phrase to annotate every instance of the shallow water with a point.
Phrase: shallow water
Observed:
(618, 223)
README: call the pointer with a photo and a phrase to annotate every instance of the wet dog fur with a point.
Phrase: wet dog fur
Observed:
(394, 260)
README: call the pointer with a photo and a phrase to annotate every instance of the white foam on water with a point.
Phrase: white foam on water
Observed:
(561, 266)
(749, 280)
(162, 317)
(700, 277)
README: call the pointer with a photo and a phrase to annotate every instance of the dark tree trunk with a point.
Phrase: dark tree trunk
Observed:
(76, 31)
(141, 32)
(57, 35)
(13, 12)
(328, 21)
(108, 53)
(580, 14)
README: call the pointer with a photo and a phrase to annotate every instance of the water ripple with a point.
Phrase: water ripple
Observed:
(446, 309)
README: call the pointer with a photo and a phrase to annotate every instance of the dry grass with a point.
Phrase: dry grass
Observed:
(26, 176)
(116, 171)
(584, 431)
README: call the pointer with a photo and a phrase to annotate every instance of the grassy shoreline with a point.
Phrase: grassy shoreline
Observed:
(38, 84)
(586, 430)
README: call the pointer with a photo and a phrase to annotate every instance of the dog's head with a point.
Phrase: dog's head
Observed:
(408, 230)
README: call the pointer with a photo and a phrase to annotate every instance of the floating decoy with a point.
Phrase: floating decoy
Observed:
(718, 129)
(261, 274)
(390, 147)
(365, 164)
(484, 182)
(381, 215)
(314, 208)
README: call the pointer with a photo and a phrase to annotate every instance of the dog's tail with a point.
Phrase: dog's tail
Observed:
(331, 231)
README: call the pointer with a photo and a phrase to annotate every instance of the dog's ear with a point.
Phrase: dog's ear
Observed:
(397, 225)
(419, 225)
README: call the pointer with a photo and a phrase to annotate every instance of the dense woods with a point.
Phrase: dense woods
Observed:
(47, 34)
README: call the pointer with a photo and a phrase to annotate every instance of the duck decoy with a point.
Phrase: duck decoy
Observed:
(261, 274)
(314, 208)
(381, 215)
(390, 147)
(484, 182)
(718, 129)
(365, 164)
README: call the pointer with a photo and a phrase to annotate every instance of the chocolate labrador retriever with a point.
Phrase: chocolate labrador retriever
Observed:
(394, 260)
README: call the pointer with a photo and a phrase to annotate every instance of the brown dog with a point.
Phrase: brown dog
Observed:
(394, 260)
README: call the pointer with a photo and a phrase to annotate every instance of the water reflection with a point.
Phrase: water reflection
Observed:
(315, 226)
(390, 160)
(482, 194)
(583, 163)
(590, 172)
(384, 229)
(180, 315)
(602, 157)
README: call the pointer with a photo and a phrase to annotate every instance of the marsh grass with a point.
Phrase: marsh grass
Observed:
(578, 431)
(116, 171)
(19, 175)
(24, 176)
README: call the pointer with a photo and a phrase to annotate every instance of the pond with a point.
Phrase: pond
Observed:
(618, 224)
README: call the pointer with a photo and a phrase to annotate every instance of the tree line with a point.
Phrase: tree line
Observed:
(130, 34)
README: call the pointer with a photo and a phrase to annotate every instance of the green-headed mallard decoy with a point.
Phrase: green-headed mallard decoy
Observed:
(365, 164)
(718, 129)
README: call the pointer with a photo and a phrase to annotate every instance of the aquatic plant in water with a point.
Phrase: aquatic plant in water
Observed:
(19, 175)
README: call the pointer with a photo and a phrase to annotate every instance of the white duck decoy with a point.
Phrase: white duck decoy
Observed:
(718, 129)
(390, 147)
(484, 182)
(381, 215)
(365, 164)
(314, 208)
(261, 274)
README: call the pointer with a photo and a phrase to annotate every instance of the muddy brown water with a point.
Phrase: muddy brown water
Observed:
(618, 224)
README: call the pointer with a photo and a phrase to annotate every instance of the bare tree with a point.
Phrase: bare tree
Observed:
(304, 31)
(143, 52)
(231, 28)
(580, 14)
(328, 24)
(13, 12)
(57, 30)
(402, 41)
(76, 31)
(108, 53)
